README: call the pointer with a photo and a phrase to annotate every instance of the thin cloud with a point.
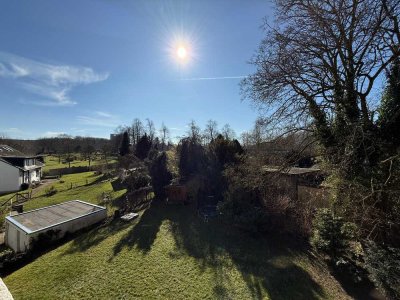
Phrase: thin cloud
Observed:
(51, 82)
(213, 78)
(99, 118)
(53, 133)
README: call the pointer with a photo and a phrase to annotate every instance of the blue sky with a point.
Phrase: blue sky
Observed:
(85, 67)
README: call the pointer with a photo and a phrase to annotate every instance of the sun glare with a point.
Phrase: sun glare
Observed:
(182, 50)
(181, 53)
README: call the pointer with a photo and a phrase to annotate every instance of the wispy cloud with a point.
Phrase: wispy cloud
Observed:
(176, 129)
(52, 133)
(100, 118)
(213, 78)
(52, 82)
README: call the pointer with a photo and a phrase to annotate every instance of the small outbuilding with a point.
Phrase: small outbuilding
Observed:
(70, 216)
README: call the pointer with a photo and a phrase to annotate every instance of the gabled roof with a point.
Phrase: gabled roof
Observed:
(12, 165)
(6, 150)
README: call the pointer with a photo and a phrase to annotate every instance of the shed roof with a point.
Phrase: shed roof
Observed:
(47, 217)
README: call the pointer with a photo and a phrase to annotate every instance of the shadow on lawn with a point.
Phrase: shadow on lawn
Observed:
(263, 264)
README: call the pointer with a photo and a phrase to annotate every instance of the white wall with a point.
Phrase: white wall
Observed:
(9, 178)
(16, 238)
(34, 175)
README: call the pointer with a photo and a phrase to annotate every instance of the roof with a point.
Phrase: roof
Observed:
(9, 151)
(25, 168)
(290, 171)
(47, 217)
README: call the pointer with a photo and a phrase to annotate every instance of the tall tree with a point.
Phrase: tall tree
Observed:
(137, 130)
(211, 130)
(164, 134)
(143, 147)
(316, 69)
(227, 132)
(151, 130)
(194, 132)
(124, 147)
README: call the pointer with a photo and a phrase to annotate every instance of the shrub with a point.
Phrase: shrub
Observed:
(331, 234)
(6, 255)
(246, 216)
(24, 186)
(44, 239)
(136, 180)
(383, 264)
(50, 191)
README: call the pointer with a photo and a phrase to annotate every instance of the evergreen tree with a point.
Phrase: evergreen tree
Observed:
(124, 147)
(143, 147)
(160, 176)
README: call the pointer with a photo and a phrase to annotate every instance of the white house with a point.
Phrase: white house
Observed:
(17, 168)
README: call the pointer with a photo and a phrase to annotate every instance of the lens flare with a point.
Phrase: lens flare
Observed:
(181, 52)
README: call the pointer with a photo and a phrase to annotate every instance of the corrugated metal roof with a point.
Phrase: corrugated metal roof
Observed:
(47, 217)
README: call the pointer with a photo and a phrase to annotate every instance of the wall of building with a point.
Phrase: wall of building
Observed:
(34, 175)
(9, 178)
(16, 238)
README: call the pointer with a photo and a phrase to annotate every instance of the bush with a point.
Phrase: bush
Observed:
(331, 234)
(246, 216)
(136, 180)
(383, 264)
(50, 191)
(24, 186)
(6, 256)
(44, 240)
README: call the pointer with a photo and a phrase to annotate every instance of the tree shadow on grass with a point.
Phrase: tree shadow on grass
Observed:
(88, 239)
(264, 264)
(144, 233)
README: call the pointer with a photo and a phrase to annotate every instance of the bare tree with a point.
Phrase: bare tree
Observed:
(151, 130)
(137, 130)
(318, 64)
(228, 132)
(211, 130)
(194, 132)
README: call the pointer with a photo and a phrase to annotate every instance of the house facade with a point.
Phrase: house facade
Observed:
(17, 168)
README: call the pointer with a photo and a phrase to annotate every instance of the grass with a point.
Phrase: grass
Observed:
(169, 253)
(53, 162)
(86, 186)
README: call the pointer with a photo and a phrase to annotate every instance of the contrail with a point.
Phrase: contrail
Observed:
(214, 78)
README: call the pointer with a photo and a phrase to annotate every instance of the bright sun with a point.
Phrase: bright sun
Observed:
(181, 52)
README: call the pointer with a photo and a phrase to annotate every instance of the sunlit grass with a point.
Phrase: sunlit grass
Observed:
(54, 162)
(85, 186)
(169, 253)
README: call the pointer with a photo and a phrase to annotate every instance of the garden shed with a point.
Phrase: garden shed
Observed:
(70, 216)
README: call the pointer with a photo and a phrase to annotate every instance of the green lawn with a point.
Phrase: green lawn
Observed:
(86, 186)
(169, 253)
(53, 162)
